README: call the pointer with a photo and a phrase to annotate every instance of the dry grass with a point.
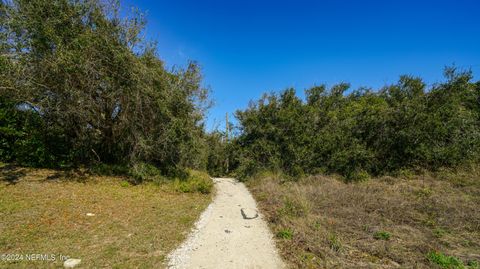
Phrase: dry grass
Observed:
(381, 223)
(44, 212)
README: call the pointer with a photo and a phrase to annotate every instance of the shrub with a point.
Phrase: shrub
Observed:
(445, 261)
(109, 169)
(473, 264)
(125, 184)
(361, 175)
(382, 235)
(285, 234)
(334, 243)
(392, 130)
(142, 172)
(196, 182)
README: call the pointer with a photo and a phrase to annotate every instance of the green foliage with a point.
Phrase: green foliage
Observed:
(382, 235)
(196, 182)
(125, 184)
(80, 86)
(222, 156)
(22, 140)
(334, 243)
(445, 261)
(285, 234)
(109, 169)
(473, 264)
(142, 172)
(402, 127)
(439, 232)
(294, 207)
(217, 159)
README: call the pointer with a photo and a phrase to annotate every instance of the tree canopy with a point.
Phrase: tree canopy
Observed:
(80, 86)
(90, 89)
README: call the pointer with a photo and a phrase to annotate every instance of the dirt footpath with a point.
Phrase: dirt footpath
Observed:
(229, 234)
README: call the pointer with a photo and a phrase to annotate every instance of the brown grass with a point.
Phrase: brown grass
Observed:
(44, 212)
(339, 225)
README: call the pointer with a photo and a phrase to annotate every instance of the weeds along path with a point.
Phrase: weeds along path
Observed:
(229, 234)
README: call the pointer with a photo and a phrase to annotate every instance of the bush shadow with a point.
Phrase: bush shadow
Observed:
(11, 174)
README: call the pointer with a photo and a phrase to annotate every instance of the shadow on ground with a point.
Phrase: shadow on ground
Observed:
(11, 174)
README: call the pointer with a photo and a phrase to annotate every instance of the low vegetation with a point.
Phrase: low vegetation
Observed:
(106, 221)
(417, 221)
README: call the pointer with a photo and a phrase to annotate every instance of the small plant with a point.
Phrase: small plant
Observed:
(424, 192)
(317, 225)
(335, 243)
(125, 184)
(445, 261)
(430, 221)
(439, 232)
(285, 234)
(405, 173)
(309, 260)
(359, 176)
(382, 235)
(473, 264)
(295, 207)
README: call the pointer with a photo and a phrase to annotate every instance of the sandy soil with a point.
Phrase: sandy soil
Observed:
(229, 234)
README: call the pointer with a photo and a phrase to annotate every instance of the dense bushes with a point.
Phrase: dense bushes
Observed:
(222, 156)
(80, 86)
(364, 132)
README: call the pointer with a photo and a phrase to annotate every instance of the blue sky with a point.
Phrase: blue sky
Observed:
(250, 47)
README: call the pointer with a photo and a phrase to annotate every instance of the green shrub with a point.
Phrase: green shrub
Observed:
(424, 192)
(473, 264)
(142, 172)
(285, 234)
(334, 243)
(439, 232)
(196, 182)
(365, 132)
(445, 261)
(382, 235)
(361, 175)
(109, 169)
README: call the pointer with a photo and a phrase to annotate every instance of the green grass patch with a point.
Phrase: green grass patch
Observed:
(285, 234)
(131, 227)
(335, 243)
(382, 235)
(125, 184)
(445, 261)
(195, 182)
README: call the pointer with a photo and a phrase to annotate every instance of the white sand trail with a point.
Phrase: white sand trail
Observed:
(226, 237)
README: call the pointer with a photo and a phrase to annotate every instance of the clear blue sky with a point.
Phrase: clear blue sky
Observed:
(248, 47)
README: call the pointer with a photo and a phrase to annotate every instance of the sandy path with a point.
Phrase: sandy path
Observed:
(224, 238)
